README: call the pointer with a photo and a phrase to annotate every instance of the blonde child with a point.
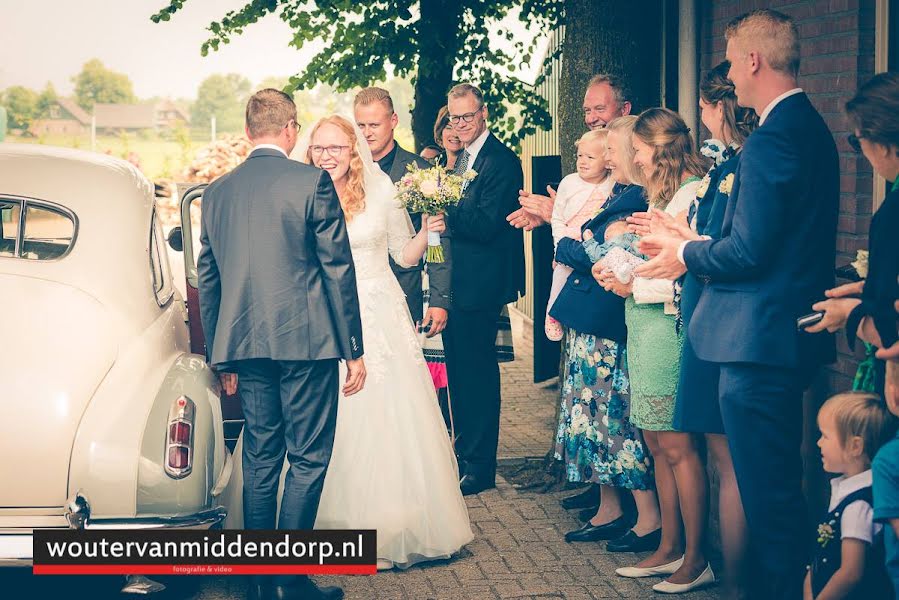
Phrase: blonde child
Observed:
(848, 560)
(578, 199)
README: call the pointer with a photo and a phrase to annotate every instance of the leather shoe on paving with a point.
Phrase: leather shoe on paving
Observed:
(586, 499)
(631, 542)
(306, 591)
(472, 484)
(594, 533)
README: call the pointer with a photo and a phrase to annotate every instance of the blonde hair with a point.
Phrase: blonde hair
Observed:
(673, 153)
(773, 34)
(600, 136)
(268, 112)
(625, 127)
(370, 95)
(353, 201)
(861, 414)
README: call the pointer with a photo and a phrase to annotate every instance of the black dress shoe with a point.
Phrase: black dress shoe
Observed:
(472, 484)
(306, 590)
(631, 542)
(594, 533)
(587, 514)
(586, 499)
(257, 591)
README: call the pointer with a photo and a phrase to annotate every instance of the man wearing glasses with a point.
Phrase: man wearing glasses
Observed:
(377, 120)
(488, 273)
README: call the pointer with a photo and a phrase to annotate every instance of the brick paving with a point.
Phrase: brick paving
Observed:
(518, 551)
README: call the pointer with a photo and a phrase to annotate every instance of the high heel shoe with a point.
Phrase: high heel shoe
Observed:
(707, 577)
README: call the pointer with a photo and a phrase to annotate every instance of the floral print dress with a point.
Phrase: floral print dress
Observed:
(595, 437)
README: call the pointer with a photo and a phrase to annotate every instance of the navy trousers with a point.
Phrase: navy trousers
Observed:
(469, 341)
(290, 409)
(762, 411)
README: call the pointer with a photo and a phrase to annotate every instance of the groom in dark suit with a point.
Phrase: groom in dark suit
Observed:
(377, 120)
(488, 273)
(774, 260)
(279, 308)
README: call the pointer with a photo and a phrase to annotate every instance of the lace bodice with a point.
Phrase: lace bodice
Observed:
(380, 229)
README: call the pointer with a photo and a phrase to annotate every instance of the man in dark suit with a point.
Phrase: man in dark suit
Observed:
(488, 273)
(774, 260)
(376, 118)
(279, 307)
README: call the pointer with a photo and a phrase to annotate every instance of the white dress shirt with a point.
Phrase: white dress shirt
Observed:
(475, 147)
(857, 520)
(269, 147)
(762, 117)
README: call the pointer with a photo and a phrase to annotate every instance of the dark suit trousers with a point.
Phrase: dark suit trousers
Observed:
(290, 408)
(762, 411)
(469, 341)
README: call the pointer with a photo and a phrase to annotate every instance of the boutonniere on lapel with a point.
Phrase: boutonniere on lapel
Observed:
(825, 533)
(704, 186)
(726, 184)
(468, 177)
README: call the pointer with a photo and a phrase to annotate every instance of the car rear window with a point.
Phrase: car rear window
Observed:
(47, 232)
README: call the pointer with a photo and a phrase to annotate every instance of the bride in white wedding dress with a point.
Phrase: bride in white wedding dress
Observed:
(393, 468)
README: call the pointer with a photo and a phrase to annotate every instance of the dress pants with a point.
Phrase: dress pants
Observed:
(761, 407)
(290, 408)
(469, 341)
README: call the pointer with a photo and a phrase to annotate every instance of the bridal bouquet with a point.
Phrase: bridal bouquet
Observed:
(431, 191)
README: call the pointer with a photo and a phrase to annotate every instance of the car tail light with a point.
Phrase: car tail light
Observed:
(179, 453)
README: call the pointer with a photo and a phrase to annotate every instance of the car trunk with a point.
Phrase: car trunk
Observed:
(58, 346)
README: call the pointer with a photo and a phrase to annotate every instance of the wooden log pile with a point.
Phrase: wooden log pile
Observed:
(217, 158)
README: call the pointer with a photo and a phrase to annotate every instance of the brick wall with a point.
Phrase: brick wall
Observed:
(837, 43)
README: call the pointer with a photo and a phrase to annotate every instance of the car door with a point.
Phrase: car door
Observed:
(191, 206)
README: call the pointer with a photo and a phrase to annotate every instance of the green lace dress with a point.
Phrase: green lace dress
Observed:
(653, 343)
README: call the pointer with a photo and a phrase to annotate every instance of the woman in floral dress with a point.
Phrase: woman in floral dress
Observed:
(595, 438)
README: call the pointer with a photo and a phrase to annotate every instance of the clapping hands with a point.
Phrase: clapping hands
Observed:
(661, 236)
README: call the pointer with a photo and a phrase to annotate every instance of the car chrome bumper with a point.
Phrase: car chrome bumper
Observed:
(17, 546)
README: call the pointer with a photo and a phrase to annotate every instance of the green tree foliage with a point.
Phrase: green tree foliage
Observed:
(95, 83)
(222, 96)
(435, 43)
(21, 106)
(46, 100)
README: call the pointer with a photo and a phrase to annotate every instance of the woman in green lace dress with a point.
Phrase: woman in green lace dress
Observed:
(672, 168)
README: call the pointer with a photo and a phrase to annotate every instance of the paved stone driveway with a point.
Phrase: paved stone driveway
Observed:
(518, 551)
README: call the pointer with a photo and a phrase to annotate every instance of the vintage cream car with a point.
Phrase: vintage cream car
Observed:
(106, 418)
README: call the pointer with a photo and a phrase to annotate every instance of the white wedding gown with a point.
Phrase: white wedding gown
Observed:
(393, 468)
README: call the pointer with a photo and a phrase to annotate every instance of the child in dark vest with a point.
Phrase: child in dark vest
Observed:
(848, 558)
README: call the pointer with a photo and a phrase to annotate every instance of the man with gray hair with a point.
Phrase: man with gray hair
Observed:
(279, 308)
(377, 120)
(488, 273)
(607, 98)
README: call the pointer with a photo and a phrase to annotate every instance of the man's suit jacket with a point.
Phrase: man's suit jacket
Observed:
(438, 273)
(488, 253)
(776, 254)
(276, 274)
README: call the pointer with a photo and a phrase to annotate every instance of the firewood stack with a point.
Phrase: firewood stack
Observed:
(217, 158)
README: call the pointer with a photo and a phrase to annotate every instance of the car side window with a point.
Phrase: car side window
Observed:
(10, 215)
(159, 264)
(48, 233)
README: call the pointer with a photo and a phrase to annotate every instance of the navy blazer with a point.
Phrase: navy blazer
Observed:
(583, 305)
(776, 254)
(487, 252)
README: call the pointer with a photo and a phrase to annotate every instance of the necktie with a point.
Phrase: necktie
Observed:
(462, 163)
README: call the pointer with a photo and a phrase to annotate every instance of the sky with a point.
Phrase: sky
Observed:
(50, 40)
